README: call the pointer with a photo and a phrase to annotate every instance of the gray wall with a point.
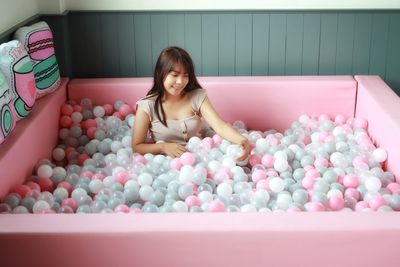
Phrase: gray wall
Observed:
(126, 44)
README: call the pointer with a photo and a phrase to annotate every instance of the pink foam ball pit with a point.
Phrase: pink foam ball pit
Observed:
(187, 158)
(216, 206)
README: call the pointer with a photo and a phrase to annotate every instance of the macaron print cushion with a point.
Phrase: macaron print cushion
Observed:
(7, 113)
(17, 68)
(38, 41)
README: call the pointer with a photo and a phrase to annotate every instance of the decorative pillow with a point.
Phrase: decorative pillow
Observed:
(38, 41)
(7, 115)
(18, 70)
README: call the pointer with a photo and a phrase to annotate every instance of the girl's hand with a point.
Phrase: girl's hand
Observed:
(246, 149)
(173, 149)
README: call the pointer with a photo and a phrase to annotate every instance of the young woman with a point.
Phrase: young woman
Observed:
(174, 107)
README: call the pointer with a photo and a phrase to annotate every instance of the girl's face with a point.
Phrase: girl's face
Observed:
(176, 81)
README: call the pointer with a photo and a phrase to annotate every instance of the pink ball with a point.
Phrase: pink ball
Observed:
(89, 123)
(209, 141)
(98, 176)
(258, 175)
(350, 180)
(22, 190)
(376, 201)
(139, 158)
(108, 109)
(65, 121)
(321, 162)
(193, 201)
(67, 109)
(254, 160)
(359, 160)
(78, 108)
(336, 203)
(315, 206)
(176, 164)
(216, 206)
(125, 110)
(118, 115)
(69, 202)
(122, 208)
(312, 173)
(188, 158)
(122, 177)
(268, 161)
(394, 188)
(272, 173)
(88, 174)
(352, 192)
(217, 139)
(340, 119)
(263, 184)
(66, 186)
(308, 182)
(46, 184)
(361, 205)
(323, 117)
(90, 132)
(33, 185)
(82, 157)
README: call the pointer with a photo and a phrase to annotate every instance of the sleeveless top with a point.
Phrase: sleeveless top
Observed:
(178, 131)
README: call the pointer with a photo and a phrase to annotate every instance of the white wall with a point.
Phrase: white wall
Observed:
(13, 12)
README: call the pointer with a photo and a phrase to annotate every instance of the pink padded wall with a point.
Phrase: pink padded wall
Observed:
(381, 106)
(32, 139)
(262, 102)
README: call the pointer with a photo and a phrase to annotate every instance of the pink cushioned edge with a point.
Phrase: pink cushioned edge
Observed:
(32, 139)
(377, 102)
(262, 102)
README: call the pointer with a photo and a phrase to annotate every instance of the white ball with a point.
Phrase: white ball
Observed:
(379, 155)
(145, 192)
(276, 184)
(58, 154)
(281, 164)
(248, 208)
(99, 111)
(180, 206)
(205, 196)
(373, 184)
(145, 179)
(261, 145)
(45, 171)
(224, 190)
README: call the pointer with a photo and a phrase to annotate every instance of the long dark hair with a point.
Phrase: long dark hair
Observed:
(170, 57)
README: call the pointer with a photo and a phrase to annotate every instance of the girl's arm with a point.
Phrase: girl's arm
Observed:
(222, 128)
(139, 133)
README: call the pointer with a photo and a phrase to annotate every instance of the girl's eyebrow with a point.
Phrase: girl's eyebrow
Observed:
(178, 71)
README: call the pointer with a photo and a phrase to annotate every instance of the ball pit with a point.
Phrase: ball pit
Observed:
(325, 171)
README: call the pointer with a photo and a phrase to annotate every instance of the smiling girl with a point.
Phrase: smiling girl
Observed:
(174, 109)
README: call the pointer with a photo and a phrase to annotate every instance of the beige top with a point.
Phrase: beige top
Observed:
(178, 131)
